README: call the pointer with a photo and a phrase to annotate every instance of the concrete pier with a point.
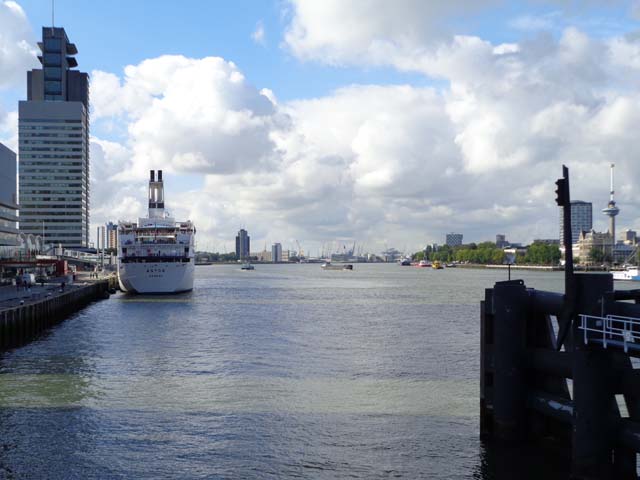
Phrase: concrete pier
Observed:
(26, 315)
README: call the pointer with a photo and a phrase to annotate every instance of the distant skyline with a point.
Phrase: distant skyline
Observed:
(283, 118)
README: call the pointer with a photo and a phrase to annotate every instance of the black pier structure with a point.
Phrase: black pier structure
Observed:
(525, 395)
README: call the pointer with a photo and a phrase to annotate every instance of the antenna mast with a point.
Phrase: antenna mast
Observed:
(53, 9)
(611, 192)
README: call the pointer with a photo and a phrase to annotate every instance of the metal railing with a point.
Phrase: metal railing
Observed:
(611, 330)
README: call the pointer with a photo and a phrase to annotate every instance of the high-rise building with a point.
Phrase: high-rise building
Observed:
(454, 239)
(581, 220)
(501, 240)
(276, 253)
(54, 146)
(8, 200)
(243, 244)
(112, 235)
(629, 237)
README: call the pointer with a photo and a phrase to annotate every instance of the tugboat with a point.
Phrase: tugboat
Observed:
(436, 265)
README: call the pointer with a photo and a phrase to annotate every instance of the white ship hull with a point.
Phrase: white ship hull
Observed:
(628, 274)
(157, 277)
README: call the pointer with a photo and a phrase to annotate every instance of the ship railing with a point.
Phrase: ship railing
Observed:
(612, 330)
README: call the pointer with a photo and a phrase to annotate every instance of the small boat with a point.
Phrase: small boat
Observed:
(436, 265)
(330, 266)
(423, 264)
(630, 273)
(405, 262)
(247, 266)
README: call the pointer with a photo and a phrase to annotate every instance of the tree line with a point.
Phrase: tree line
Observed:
(488, 253)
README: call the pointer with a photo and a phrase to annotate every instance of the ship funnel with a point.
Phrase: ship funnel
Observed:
(156, 195)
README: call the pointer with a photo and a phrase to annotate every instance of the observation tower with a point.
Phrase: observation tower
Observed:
(611, 211)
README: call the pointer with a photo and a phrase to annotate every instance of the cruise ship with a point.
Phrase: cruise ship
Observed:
(157, 254)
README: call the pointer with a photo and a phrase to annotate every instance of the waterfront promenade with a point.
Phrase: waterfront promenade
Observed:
(12, 296)
(26, 313)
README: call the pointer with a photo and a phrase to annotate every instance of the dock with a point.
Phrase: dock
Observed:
(26, 313)
(558, 369)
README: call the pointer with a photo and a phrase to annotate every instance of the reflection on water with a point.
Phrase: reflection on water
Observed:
(284, 372)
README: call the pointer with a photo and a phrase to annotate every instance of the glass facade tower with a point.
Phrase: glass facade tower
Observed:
(243, 245)
(581, 220)
(54, 146)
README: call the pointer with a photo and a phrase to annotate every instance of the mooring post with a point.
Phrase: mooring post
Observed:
(593, 440)
(511, 307)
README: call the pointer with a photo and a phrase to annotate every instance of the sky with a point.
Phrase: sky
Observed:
(323, 123)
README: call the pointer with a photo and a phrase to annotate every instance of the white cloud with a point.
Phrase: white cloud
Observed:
(397, 164)
(367, 32)
(17, 45)
(9, 129)
(258, 34)
(378, 162)
(188, 115)
(533, 22)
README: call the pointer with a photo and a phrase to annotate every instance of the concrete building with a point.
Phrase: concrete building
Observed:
(263, 256)
(581, 220)
(8, 198)
(54, 146)
(501, 240)
(454, 239)
(243, 244)
(589, 240)
(112, 235)
(276, 253)
(629, 237)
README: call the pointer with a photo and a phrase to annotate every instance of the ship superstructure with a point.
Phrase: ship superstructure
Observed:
(156, 254)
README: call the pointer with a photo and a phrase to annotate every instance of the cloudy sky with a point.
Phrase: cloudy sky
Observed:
(389, 123)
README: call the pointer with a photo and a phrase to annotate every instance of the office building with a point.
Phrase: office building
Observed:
(501, 240)
(581, 220)
(276, 253)
(112, 235)
(243, 245)
(8, 198)
(54, 146)
(629, 237)
(454, 239)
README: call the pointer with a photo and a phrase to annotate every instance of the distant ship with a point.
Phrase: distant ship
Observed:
(157, 254)
(330, 266)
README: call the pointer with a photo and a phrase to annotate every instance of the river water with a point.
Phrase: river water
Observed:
(287, 371)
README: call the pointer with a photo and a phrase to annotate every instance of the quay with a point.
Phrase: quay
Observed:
(26, 314)
(558, 369)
